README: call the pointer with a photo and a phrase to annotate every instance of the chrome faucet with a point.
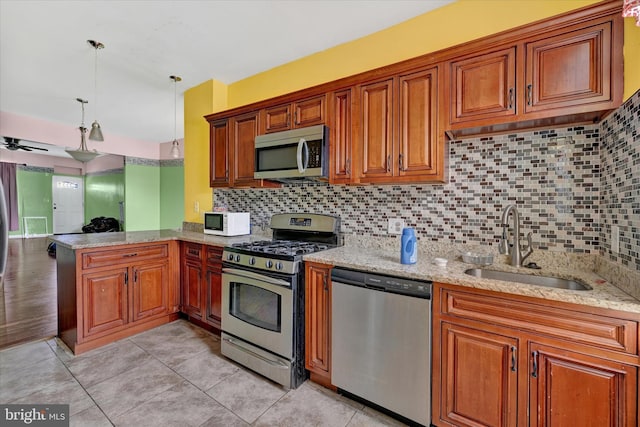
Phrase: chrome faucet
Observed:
(518, 254)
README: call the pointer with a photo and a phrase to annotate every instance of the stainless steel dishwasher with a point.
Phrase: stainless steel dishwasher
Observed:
(381, 341)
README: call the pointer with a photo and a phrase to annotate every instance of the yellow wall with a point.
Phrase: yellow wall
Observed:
(199, 101)
(631, 57)
(453, 24)
(447, 26)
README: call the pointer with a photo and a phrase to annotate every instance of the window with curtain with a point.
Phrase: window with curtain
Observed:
(8, 178)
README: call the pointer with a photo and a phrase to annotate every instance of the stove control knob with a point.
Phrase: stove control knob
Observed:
(230, 257)
(269, 263)
(278, 266)
(237, 258)
(252, 261)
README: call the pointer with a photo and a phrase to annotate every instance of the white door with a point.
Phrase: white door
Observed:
(68, 204)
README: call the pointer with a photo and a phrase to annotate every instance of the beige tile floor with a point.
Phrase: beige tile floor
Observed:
(172, 375)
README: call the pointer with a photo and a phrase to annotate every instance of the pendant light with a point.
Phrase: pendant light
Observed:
(96, 132)
(175, 151)
(82, 154)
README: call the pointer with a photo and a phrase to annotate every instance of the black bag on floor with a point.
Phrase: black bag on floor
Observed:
(101, 225)
(51, 249)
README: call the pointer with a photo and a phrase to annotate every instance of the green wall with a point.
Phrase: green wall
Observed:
(153, 196)
(34, 199)
(171, 196)
(102, 194)
(142, 197)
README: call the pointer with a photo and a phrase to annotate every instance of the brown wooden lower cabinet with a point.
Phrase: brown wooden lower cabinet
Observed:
(202, 283)
(105, 294)
(495, 365)
(317, 322)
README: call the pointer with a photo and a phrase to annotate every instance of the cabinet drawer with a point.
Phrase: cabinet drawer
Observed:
(602, 331)
(214, 256)
(109, 257)
(192, 250)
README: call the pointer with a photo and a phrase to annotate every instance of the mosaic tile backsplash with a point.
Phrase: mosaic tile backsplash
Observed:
(620, 182)
(554, 177)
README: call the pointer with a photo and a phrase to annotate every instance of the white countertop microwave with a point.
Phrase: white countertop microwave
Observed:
(227, 223)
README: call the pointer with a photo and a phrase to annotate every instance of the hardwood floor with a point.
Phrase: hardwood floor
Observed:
(28, 303)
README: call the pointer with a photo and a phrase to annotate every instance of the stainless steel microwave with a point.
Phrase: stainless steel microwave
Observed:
(297, 153)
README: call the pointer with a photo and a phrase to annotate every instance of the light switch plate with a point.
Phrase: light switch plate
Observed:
(615, 239)
(395, 225)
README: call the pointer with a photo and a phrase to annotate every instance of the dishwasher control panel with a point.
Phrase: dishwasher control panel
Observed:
(384, 283)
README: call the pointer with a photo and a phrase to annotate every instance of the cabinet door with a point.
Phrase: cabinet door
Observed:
(219, 154)
(277, 118)
(244, 129)
(340, 140)
(214, 286)
(570, 69)
(483, 86)
(150, 290)
(318, 322)
(376, 139)
(192, 288)
(478, 383)
(418, 123)
(572, 389)
(309, 112)
(104, 300)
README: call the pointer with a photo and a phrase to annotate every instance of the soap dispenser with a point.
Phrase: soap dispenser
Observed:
(409, 246)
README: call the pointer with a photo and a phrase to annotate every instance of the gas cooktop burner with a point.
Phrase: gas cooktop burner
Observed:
(281, 247)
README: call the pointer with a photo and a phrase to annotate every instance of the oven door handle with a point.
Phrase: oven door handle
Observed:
(256, 276)
(276, 363)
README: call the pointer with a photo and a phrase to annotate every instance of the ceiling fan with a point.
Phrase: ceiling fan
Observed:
(13, 144)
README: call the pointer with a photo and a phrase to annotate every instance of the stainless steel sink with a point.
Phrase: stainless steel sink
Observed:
(550, 282)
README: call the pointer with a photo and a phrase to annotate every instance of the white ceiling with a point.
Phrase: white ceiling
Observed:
(46, 62)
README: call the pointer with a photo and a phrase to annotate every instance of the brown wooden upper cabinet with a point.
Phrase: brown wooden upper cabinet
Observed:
(569, 69)
(387, 126)
(219, 153)
(483, 86)
(308, 112)
(340, 138)
(232, 145)
(398, 134)
(571, 73)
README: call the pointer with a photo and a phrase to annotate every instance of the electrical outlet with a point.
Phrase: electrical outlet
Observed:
(395, 225)
(196, 207)
(615, 239)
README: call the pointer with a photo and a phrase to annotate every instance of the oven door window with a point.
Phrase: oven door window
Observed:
(256, 306)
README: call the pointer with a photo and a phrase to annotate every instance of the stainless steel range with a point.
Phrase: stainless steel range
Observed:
(263, 296)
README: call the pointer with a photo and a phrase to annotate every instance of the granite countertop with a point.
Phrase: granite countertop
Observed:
(96, 240)
(387, 261)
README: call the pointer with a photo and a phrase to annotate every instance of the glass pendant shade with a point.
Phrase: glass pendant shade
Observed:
(96, 132)
(175, 151)
(83, 154)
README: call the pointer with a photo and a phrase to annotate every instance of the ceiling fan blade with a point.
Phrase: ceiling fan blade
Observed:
(23, 147)
(33, 148)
